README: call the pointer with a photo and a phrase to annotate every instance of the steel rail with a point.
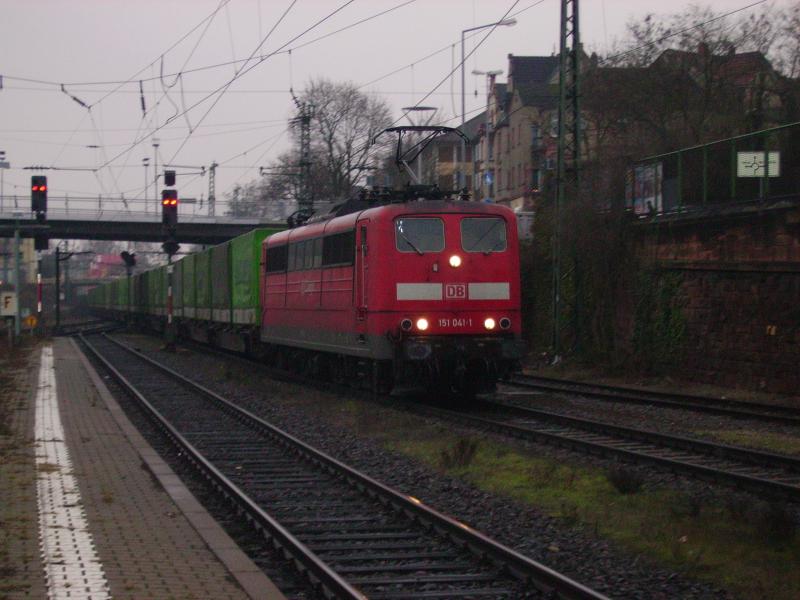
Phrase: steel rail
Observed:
(527, 570)
(705, 472)
(605, 439)
(741, 409)
(319, 572)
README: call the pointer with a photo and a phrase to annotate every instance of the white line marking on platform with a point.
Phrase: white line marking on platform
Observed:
(71, 566)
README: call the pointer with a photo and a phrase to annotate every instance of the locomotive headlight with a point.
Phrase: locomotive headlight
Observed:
(406, 324)
(455, 261)
(505, 323)
(489, 323)
(422, 324)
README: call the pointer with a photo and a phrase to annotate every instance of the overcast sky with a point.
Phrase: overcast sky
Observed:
(95, 46)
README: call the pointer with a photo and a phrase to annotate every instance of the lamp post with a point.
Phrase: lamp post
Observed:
(3, 166)
(145, 163)
(155, 171)
(490, 75)
(503, 23)
(17, 286)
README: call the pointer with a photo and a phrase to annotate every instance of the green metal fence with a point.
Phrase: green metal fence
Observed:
(763, 166)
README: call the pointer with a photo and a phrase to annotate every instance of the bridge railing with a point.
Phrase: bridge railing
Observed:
(77, 209)
(763, 166)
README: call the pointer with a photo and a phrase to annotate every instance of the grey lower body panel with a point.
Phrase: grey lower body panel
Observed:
(348, 343)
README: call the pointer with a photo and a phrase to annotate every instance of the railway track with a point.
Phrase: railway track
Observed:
(349, 535)
(739, 409)
(87, 328)
(759, 472)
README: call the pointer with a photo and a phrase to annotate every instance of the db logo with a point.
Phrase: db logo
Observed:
(455, 290)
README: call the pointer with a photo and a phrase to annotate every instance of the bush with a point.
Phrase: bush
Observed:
(459, 455)
(625, 480)
(777, 522)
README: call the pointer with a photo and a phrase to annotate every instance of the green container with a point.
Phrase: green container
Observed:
(107, 293)
(187, 275)
(221, 283)
(202, 284)
(140, 292)
(177, 288)
(122, 293)
(245, 269)
(154, 291)
(161, 295)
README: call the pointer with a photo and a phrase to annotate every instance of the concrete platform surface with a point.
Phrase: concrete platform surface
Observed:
(111, 518)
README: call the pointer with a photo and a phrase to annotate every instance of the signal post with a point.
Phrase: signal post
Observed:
(169, 220)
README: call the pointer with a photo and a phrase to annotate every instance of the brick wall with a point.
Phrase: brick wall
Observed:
(738, 296)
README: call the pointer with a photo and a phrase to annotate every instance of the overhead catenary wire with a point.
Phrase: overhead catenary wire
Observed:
(219, 65)
(243, 69)
(681, 31)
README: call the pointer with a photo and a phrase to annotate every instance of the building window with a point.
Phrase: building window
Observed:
(535, 180)
(445, 154)
(536, 136)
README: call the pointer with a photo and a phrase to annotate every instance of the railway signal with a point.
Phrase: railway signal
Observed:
(169, 208)
(39, 197)
(39, 208)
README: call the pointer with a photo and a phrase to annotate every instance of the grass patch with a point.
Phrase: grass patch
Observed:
(748, 555)
(762, 440)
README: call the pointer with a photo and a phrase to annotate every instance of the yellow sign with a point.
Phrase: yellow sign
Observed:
(31, 321)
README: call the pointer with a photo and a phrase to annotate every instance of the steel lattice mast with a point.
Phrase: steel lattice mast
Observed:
(305, 197)
(569, 126)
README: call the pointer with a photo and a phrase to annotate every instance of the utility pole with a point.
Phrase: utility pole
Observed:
(17, 286)
(305, 199)
(212, 189)
(155, 169)
(58, 288)
(145, 163)
(3, 166)
(569, 131)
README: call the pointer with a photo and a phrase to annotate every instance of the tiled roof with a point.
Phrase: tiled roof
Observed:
(530, 70)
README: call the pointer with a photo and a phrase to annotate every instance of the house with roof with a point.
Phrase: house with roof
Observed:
(514, 143)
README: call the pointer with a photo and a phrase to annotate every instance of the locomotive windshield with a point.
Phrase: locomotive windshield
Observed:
(420, 235)
(484, 234)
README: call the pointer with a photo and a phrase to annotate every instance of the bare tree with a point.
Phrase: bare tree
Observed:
(344, 124)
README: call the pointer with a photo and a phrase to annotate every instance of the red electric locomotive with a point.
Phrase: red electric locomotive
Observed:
(421, 291)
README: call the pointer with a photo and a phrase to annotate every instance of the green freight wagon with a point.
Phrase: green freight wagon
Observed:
(123, 286)
(202, 288)
(177, 289)
(140, 293)
(245, 269)
(221, 283)
(107, 297)
(153, 291)
(188, 287)
(161, 296)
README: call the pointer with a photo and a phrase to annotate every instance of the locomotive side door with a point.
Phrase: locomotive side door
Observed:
(361, 274)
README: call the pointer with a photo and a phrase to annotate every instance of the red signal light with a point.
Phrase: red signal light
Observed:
(42, 188)
(174, 202)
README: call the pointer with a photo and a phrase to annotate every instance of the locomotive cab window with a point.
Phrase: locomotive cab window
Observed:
(419, 234)
(277, 258)
(483, 234)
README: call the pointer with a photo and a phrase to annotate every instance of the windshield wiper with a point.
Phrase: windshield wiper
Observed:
(487, 232)
(409, 242)
(494, 248)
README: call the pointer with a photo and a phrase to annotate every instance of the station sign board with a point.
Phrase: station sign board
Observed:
(751, 164)
(8, 304)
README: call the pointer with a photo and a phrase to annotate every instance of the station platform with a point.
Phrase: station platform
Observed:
(102, 516)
